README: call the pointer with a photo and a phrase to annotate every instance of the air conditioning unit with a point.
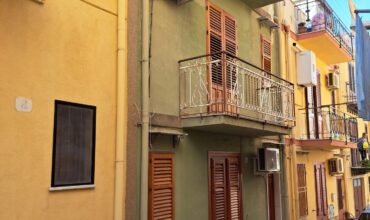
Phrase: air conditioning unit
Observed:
(268, 160)
(180, 2)
(306, 69)
(333, 80)
(336, 166)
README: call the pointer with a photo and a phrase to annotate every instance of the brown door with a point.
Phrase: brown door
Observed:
(321, 192)
(340, 194)
(271, 193)
(225, 186)
(359, 195)
(314, 113)
(221, 37)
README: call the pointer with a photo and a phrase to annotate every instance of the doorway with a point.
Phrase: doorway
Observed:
(340, 193)
(359, 195)
(321, 192)
(224, 185)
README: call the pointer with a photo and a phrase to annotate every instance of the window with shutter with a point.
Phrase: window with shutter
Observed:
(266, 54)
(74, 144)
(302, 190)
(225, 186)
(161, 186)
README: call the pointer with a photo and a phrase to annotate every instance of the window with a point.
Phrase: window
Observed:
(302, 190)
(161, 186)
(266, 54)
(74, 144)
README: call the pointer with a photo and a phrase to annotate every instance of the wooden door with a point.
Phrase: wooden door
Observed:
(321, 192)
(221, 37)
(340, 193)
(271, 194)
(314, 114)
(225, 186)
(359, 195)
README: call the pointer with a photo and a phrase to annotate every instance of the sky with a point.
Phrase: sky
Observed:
(342, 10)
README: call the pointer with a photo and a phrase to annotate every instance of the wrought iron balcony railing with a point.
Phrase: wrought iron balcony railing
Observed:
(317, 15)
(327, 122)
(222, 84)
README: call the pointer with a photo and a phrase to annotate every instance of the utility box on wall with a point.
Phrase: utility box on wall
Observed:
(306, 69)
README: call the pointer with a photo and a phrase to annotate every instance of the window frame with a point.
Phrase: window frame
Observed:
(93, 136)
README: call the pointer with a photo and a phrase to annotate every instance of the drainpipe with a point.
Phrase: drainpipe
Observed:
(121, 117)
(145, 110)
(284, 185)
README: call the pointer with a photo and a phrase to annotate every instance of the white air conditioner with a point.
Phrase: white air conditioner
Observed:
(306, 69)
(336, 166)
(268, 160)
(179, 2)
(333, 80)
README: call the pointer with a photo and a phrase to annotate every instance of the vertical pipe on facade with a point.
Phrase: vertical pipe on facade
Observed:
(121, 117)
(145, 110)
(284, 185)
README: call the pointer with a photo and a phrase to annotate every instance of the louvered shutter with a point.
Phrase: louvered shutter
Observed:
(215, 35)
(319, 205)
(233, 167)
(230, 48)
(218, 188)
(161, 186)
(266, 54)
(302, 190)
(324, 190)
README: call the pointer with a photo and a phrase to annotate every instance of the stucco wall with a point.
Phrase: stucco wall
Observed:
(179, 32)
(191, 173)
(62, 50)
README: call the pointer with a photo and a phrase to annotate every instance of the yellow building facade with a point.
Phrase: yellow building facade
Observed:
(327, 127)
(56, 54)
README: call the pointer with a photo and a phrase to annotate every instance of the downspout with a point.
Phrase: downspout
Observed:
(121, 117)
(284, 186)
(145, 110)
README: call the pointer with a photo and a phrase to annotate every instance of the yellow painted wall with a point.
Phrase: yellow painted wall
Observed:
(62, 50)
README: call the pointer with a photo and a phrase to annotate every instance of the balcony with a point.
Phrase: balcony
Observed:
(259, 3)
(327, 128)
(358, 166)
(351, 98)
(319, 29)
(223, 93)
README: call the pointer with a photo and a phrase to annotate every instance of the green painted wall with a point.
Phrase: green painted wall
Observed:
(179, 32)
(191, 173)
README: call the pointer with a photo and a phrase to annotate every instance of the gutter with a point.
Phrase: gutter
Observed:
(121, 117)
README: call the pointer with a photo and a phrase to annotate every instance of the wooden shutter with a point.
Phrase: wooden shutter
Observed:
(230, 47)
(266, 54)
(302, 190)
(324, 190)
(319, 205)
(161, 186)
(233, 168)
(215, 41)
(218, 188)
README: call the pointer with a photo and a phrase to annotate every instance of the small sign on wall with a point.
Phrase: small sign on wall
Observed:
(23, 104)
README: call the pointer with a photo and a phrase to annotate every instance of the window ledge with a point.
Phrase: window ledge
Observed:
(60, 188)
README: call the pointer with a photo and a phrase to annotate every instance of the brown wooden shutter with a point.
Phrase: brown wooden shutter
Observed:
(161, 186)
(302, 190)
(266, 54)
(324, 190)
(218, 188)
(233, 167)
(215, 41)
(319, 205)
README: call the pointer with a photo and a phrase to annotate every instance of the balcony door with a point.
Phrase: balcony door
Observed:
(314, 114)
(221, 37)
(225, 186)
(340, 191)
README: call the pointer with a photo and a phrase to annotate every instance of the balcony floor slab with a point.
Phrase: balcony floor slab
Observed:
(233, 125)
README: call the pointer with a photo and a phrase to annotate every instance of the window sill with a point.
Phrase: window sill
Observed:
(61, 188)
